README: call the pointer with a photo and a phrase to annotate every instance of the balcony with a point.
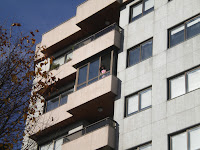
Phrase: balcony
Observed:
(85, 102)
(108, 37)
(99, 135)
(50, 121)
(94, 14)
(65, 72)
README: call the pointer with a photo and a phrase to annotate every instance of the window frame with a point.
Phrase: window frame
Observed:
(140, 57)
(59, 99)
(143, 12)
(53, 142)
(65, 60)
(180, 132)
(139, 102)
(140, 146)
(99, 75)
(184, 23)
(186, 82)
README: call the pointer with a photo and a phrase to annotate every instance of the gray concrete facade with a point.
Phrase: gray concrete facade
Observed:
(165, 116)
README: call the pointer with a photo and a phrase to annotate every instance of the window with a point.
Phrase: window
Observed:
(57, 101)
(55, 145)
(140, 53)
(137, 102)
(184, 31)
(187, 140)
(141, 9)
(186, 82)
(96, 69)
(61, 60)
(143, 147)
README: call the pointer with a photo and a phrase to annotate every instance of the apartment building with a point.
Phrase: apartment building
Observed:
(159, 69)
(129, 75)
(79, 113)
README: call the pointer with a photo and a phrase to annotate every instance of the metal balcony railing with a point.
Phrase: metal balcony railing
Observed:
(90, 128)
(97, 35)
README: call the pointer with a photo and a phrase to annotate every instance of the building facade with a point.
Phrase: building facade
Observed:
(129, 75)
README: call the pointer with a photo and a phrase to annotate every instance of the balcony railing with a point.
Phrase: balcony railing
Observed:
(97, 35)
(90, 128)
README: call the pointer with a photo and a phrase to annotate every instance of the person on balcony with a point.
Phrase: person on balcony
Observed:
(102, 71)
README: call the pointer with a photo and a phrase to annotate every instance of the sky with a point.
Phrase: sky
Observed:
(37, 14)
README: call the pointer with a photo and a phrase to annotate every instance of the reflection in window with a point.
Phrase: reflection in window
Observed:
(184, 83)
(58, 100)
(55, 145)
(184, 31)
(61, 60)
(82, 74)
(138, 102)
(187, 140)
(193, 27)
(177, 86)
(94, 70)
(140, 53)
(141, 9)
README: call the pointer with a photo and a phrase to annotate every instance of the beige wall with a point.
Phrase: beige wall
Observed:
(60, 32)
(92, 91)
(51, 118)
(96, 46)
(91, 7)
(63, 70)
(94, 140)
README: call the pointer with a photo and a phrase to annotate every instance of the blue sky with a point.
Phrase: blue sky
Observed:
(37, 14)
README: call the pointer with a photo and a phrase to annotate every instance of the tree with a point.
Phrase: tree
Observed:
(18, 93)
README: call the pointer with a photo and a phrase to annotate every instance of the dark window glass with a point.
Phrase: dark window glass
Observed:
(148, 6)
(94, 69)
(105, 61)
(81, 86)
(64, 96)
(93, 80)
(193, 27)
(82, 74)
(52, 104)
(63, 99)
(184, 31)
(134, 56)
(146, 50)
(177, 35)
